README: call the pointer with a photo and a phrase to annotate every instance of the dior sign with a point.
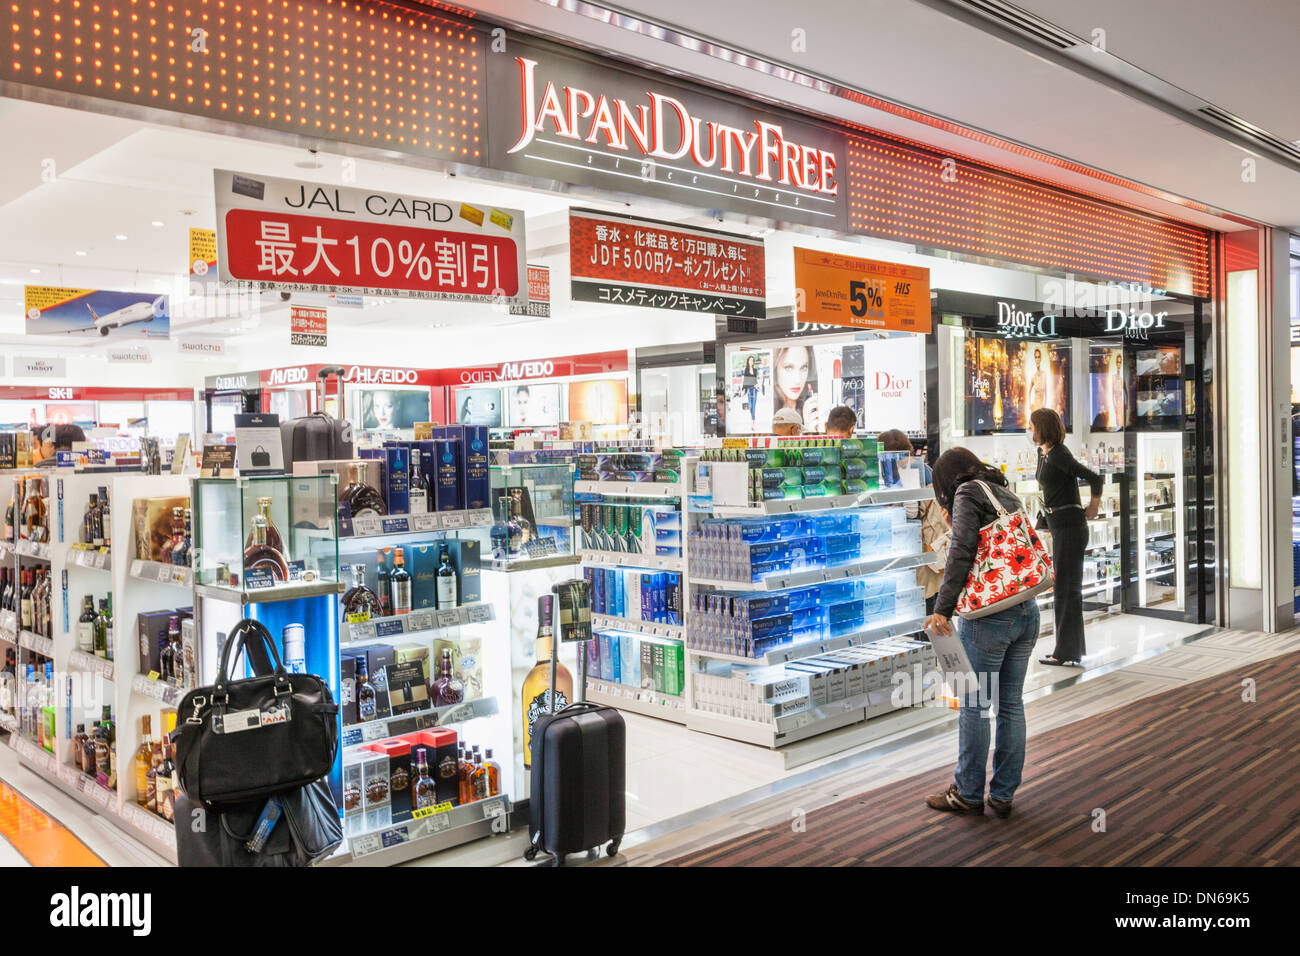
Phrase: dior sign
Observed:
(1015, 323)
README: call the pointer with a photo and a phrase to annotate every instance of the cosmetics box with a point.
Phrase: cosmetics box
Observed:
(348, 688)
(422, 561)
(400, 775)
(376, 791)
(465, 554)
(466, 663)
(150, 626)
(190, 648)
(443, 766)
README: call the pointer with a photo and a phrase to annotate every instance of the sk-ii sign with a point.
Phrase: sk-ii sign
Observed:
(1017, 324)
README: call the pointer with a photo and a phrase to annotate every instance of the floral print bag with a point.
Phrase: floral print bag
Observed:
(1011, 564)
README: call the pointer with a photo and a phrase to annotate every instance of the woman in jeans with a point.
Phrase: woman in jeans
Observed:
(999, 645)
(749, 384)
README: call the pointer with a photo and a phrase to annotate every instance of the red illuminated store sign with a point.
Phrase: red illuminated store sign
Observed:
(592, 363)
(75, 393)
(352, 374)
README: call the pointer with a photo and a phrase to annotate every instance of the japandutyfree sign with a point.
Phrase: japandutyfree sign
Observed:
(539, 293)
(81, 313)
(623, 260)
(307, 325)
(563, 116)
(296, 236)
(833, 289)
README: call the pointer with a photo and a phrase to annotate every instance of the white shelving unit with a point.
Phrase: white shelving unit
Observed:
(1160, 518)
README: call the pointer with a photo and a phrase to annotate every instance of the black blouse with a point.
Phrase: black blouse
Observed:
(1058, 478)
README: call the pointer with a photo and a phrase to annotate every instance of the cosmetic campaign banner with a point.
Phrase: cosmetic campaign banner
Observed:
(83, 313)
(307, 326)
(288, 235)
(833, 289)
(625, 260)
(202, 258)
(539, 294)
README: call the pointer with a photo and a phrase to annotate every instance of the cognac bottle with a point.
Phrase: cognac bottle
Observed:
(259, 554)
(360, 603)
(273, 537)
(360, 497)
(536, 689)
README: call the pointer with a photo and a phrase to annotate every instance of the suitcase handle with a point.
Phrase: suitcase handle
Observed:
(322, 377)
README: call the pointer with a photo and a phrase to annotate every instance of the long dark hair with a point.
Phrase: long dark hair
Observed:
(750, 366)
(809, 386)
(954, 468)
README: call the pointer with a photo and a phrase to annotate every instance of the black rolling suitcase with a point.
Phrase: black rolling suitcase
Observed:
(318, 437)
(579, 758)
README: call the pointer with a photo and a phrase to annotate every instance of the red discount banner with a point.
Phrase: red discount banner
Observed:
(287, 235)
(307, 325)
(623, 260)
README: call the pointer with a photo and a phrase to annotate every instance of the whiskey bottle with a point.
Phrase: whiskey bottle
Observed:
(448, 688)
(88, 753)
(400, 583)
(446, 589)
(103, 523)
(102, 625)
(525, 526)
(143, 761)
(494, 773)
(536, 693)
(360, 497)
(177, 539)
(167, 652)
(166, 797)
(478, 778)
(88, 522)
(513, 527)
(384, 584)
(464, 774)
(418, 487)
(151, 778)
(261, 556)
(181, 553)
(79, 748)
(273, 537)
(424, 793)
(102, 751)
(360, 603)
(500, 534)
(367, 706)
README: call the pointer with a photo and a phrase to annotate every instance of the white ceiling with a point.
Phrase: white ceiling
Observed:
(1235, 55)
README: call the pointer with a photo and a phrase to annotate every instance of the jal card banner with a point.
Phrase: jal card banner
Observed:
(81, 313)
(307, 325)
(833, 289)
(624, 260)
(295, 236)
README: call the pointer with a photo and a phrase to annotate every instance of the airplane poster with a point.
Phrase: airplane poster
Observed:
(53, 310)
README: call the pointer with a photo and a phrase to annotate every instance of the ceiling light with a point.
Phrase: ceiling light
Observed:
(81, 252)
(121, 237)
(156, 222)
(439, 325)
(36, 272)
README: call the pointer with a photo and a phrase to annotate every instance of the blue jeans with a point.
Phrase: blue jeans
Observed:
(753, 403)
(999, 647)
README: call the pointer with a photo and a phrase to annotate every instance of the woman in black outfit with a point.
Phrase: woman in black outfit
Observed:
(1058, 479)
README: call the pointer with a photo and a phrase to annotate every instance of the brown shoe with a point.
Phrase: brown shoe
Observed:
(949, 802)
(1001, 807)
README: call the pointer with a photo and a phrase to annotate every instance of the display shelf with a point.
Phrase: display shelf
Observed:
(417, 622)
(793, 652)
(357, 734)
(1098, 587)
(1152, 508)
(647, 489)
(96, 560)
(36, 644)
(797, 579)
(527, 564)
(81, 661)
(155, 689)
(1162, 534)
(156, 571)
(636, 699)
(6, 550)
(9, 627)
(284, 591)
(885, 496)
(1160, 571)
(606, 622)
(624, 559)
(40, 550)
(1101, 548)
(393, 525)
(1157, 475)
(427, 834)
(9, 723)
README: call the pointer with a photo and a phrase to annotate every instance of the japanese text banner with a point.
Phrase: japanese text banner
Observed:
(296, 236)
(623, 260)
(832, 289)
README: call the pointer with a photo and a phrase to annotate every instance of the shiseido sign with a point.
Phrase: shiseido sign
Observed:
(508, 372)
(367, 375)
(561, 116)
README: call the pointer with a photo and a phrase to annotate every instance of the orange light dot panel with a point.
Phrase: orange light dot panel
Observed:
(322, 66)
(908, 193)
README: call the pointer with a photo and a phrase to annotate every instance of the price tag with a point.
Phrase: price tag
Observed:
(439, 822)
(137, 568)
(68, 775)
(440, 808)
(399, 525)
(419, 621)
(395, 836)
(365, 845)
(99, 796)
(163, 832)
(389, 628)
(374, 730)
(104, 667)
(493, 808)
(152, 679)
(258, 579)
(171, 696)
(448, 618)
(479, 613)
(352, 737)
(164, 574)
(426, 522)
(453, 519)
(366, 525)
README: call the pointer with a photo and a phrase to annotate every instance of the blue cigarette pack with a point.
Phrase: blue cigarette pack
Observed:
(674, 597)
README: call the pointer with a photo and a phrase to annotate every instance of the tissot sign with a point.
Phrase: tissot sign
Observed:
(561, 116)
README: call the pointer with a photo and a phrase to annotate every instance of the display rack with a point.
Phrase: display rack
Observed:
(1161, 567)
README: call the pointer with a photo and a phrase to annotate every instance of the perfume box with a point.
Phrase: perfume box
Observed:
(443, 766)
(153, 524)
(397, 491)
(376, 791)
(378, 657)
(401, 767)
(408, 688)
(422, 561)
(465, 554)
(476, 479)
(445, 481)
(348, 689)
(151, 626)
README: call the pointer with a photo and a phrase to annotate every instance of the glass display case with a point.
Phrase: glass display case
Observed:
(267, 538)
(533, 512)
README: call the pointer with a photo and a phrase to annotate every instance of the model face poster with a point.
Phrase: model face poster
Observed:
(749, 392)
(796, 385)
(1159, 388)
(388, 408)
(534, 405)
(601, 402)
(1007, 380)
(478, 406)
(1108, 375)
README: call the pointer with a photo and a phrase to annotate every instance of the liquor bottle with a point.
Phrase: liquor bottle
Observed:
(360, 603)
(478, 779)
(78, 747)
(102, 758)
(26, 605)
(360, 497)
(260, 555)
(34, 511)
(151, 778)
(383, 583)
(167, 653)
(418, 487)
(103, 525)
(86, 626)
(494, 773)
(143, 761)
(446, 589)
(448, 688)
(501, 531)
(88, 753)
(464, 771)
(177, 539)
(400, 582)
(103, 623)
(112, 748)
(9, 520)
(424, 793)
(273, 536)
(514, 528)
(166, 797)
(525, 526)
(181, 553)
(367, 707)
(536, 690)
(88, 521)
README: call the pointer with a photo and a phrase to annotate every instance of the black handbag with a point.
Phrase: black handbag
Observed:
(261, 457)
(309, 830)
(240, 740)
